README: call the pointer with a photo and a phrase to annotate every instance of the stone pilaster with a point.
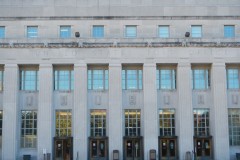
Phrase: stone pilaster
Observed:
(45, 110)
(115, 109)
(219, 112)
(10, 113)
(80, 123)
(184, 123)
(150, 109)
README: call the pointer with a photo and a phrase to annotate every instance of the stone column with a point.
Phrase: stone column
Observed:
(219, 113)
(150, 109)
(80, 123)
(10, 113)
(45, 110)
(115, 109)
(184, 123)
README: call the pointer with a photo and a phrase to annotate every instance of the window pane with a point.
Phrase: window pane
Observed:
(229, 31)
(63, 79)
(196, 31)
(98, 123)
(201, 122)
(167, 122)
(131, 31)
(2, 32)
(1, 80)
(98, 31)
(131, 79)
(98, 79)
(32, 31)
(132, 122)
(234, 126)
(233, 78)
(29, 80)
(163, 31)
(65, 31)
(63, 123)
(200, 79)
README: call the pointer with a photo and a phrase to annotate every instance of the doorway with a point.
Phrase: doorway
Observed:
(203, 148)
(168, 148)
(63, 148)
(98, 148)
(133, 148)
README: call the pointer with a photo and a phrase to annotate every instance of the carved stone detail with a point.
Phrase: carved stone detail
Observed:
(201, 99)
(63, 100)
(132, 100)
(29, 101)
(234, 99)
(166, 99)
(98, 100)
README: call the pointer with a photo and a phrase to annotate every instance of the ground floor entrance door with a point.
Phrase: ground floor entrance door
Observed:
(133, 148)
(98, 148)
(203, 148)
(167, 148)
(63, 148)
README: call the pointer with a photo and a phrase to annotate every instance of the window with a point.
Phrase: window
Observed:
(97, 79)
(1, 119)
(132, 79)
(63, 123)
(1, 80)
(29, 129)
(234, 126)
(98, 31)
(229, 31)
(65, 31)
(167, 122)
(2, 32)
(29, 80)
(98, 123)
(166, 79)
(132, 122)
(163, 31)
(201, 122)
(196, 31)
(63, 79)
(130, 31)
(32, 31)
(200, 79)
(233, 78)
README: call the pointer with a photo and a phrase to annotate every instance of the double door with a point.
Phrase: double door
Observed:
(203, 148)
(133, 148)
(98, 148)
(63, 148)
(168, 148)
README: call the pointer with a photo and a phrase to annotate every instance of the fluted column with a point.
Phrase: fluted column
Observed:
(10, 112)
(219, 112)
(115, 109)
(45, 110)
(80, 128)
(184, 123)
(150, 108)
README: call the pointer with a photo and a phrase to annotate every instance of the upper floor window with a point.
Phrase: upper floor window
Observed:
(29, 79)
(63, 123)
(233, 78)
(63, 79)
(234, 126)
(167, 122)
(32, 31)
(196, 31)
(229, 31)
(163, 31)
(200, 79)
(166, 79)
(132, 79)
(98, 31)
(98, 123)
(132, 122)
(1, 80)
(2, 32)
(29, 129)
(201, 122)
(97, 79)
(65, 31)
(130, 31)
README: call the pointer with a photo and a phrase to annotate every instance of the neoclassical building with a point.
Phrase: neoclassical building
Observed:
(119, 79)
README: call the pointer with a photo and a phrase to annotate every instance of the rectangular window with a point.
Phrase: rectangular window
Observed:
(1, 80)
(166, 79)
(98, 31)
(63, 79)
(132, 122)
(65, 31)
(163, 31)
(32, 31)
(233, 78)
(29, 80)
(234, 126)
(63, 123)
(1, 119)
(229, 31)
(130, 31)
(200, 79)
(132, 79)
(29, 129)
(201, 122)
(98, 79)
(2, 32)
(167, 122)
(196, 31)
(98, 123)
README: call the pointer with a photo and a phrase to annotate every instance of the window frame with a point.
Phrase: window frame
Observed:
(34, 34)
(69, 32)
(234, 139)
(1, 79)
(128, 118)
(2, 32)
(167, 120)
(91, 81)
(95, 33)
(139, 78)
(203, 130)
(22, 82)
(126, 31)
(58, 121)
(57, 83)
(238, 78)
(225, 33)
(173, 78)
(96, 116)
(168, 31)
(195, 34)
(207, 79)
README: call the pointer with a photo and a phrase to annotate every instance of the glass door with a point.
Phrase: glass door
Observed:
(98, 149)
(63, 148)
(203, 148)
(168, 148)
(133, 149)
